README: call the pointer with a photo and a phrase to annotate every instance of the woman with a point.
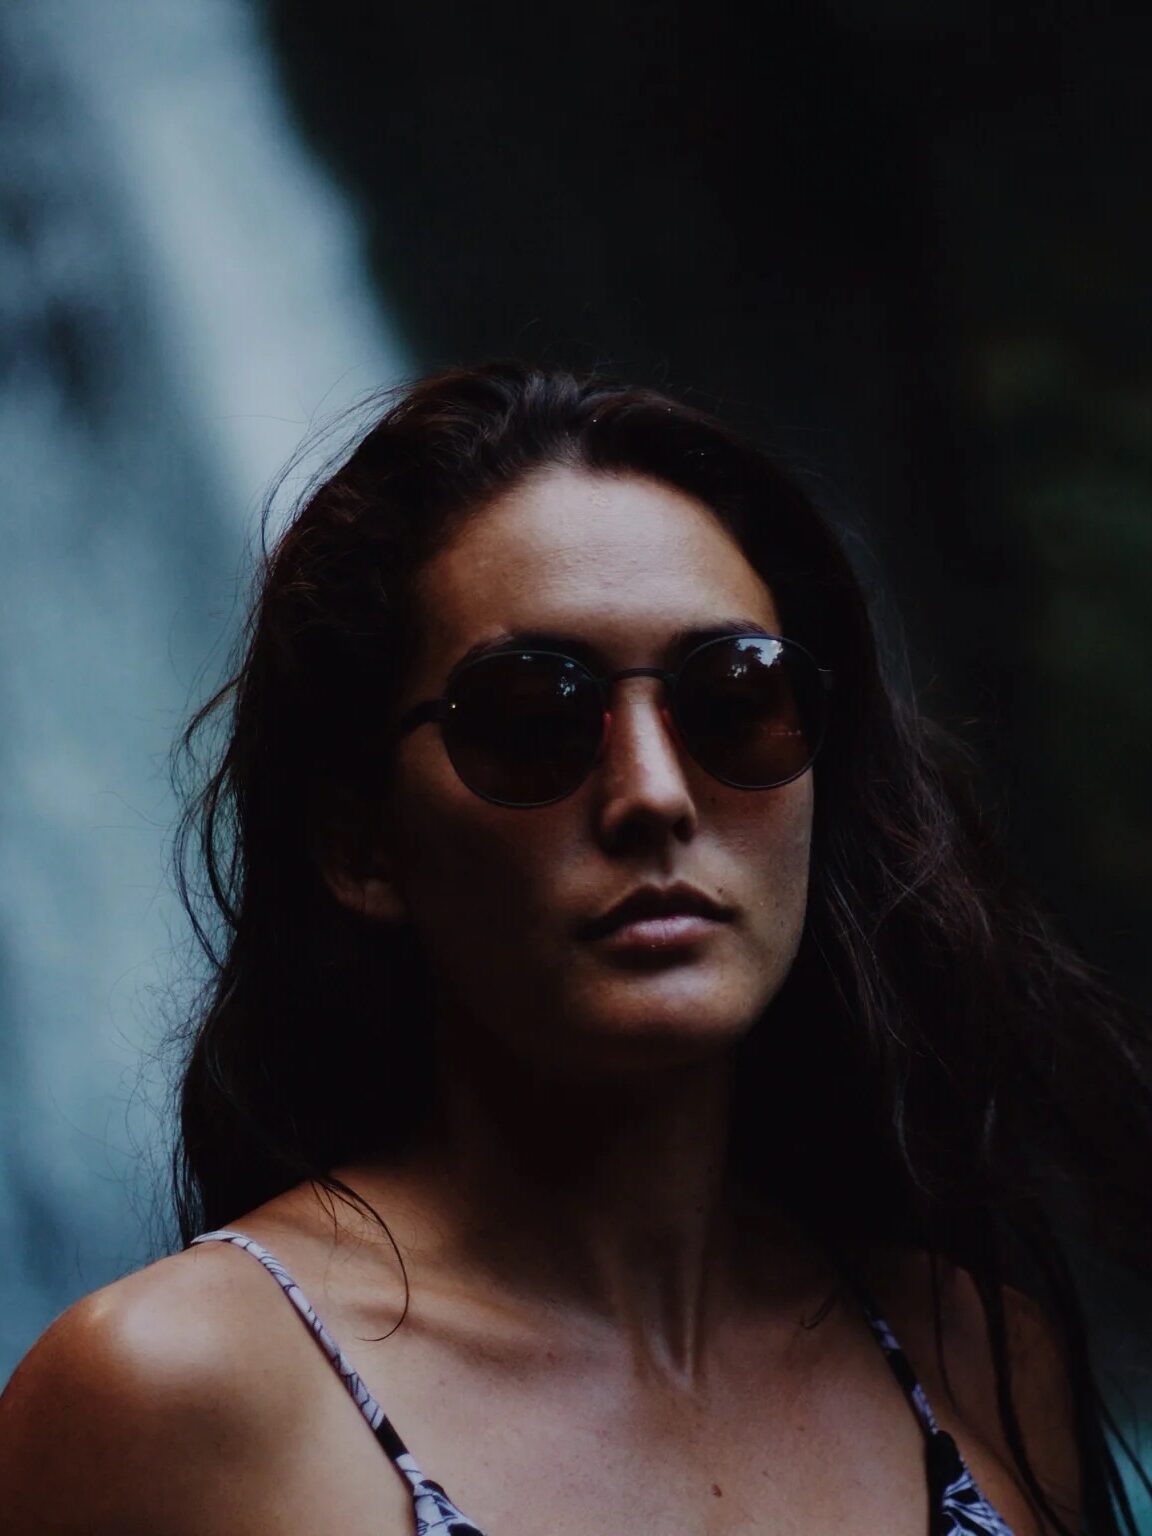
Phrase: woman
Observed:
(621, 1038)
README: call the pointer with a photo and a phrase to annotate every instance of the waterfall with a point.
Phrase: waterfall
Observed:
(184, 294)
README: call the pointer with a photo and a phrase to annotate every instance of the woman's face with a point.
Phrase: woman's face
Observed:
(498, 896)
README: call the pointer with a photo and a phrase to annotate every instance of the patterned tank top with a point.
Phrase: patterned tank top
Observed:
(956, 1505)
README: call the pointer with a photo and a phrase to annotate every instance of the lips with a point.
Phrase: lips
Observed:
(655, 902)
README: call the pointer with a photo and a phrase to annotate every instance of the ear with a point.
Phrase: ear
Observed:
(371, 895)
(354, 860)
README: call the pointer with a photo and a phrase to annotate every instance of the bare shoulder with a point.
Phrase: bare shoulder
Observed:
(136, 1400)
(959, 1376)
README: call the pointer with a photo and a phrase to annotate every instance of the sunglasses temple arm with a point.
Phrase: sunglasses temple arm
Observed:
(420, 714)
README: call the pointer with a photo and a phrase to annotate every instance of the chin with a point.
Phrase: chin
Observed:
(637, 1036)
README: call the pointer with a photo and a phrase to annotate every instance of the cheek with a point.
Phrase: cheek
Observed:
(471, 877)
(772, 849)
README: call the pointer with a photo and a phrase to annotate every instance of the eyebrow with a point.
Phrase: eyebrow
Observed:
(678, 645)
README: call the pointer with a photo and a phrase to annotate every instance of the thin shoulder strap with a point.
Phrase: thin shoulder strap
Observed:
(367, 1404)
(957, 1503)
(434, 1510)
(895, 1356)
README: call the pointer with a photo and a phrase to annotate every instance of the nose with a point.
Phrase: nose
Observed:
(642, 778)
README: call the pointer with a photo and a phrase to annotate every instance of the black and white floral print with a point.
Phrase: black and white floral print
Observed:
(436, 1515)
(958, 1508)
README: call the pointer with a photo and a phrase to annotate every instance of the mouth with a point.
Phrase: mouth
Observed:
(654, 935)
(658, 915)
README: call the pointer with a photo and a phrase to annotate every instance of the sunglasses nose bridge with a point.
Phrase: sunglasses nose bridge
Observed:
(608, 686)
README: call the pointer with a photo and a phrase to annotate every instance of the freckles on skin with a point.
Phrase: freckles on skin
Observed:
(496, 894)
(783, 886)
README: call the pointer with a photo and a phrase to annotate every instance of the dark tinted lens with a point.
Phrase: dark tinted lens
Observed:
(525, 727)
(751, 710)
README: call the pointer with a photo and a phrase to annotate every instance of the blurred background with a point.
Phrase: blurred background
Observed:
(909, 246)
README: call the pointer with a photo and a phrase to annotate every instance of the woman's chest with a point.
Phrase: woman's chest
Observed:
(801, 1454)
(750, 1477)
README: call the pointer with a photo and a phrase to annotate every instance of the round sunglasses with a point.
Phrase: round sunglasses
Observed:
(524, 727)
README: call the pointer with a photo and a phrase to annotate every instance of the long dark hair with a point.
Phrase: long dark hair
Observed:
(939, 1069)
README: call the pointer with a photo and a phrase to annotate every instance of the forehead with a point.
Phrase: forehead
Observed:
(621, 560)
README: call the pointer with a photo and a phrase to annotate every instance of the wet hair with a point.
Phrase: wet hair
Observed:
(939, 1071)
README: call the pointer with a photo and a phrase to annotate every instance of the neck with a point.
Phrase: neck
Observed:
(612, 1201)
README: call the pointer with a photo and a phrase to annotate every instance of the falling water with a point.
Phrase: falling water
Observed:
(183, 294)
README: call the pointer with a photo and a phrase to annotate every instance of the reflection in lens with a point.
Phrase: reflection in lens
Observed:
(750, 709)
(525, 726)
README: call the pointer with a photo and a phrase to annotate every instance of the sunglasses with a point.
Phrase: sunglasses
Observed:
(525, 728)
